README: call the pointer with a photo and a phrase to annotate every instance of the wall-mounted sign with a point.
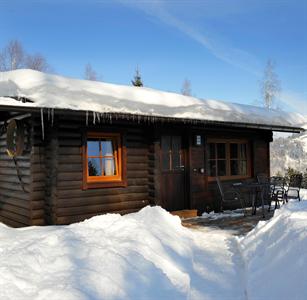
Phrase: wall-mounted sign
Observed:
(198, 140)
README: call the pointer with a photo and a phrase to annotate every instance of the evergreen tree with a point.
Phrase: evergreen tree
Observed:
(137, 78)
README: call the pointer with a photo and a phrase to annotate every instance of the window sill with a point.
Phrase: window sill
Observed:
(104, 184)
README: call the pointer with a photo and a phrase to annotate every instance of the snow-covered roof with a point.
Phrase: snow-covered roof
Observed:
(58, 92)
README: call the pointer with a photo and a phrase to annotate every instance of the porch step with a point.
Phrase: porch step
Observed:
(185, 213)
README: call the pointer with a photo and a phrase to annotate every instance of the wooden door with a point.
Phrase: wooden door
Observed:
(173, 183)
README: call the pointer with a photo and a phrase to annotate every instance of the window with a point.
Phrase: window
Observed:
(103, 160)
(171, 153)
(228, 159)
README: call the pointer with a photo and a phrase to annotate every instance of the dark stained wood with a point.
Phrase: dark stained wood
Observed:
(51, 170)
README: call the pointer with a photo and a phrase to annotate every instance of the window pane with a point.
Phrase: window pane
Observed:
(176, 147)
(212, 168)
(243, 167)
(166, 147)
(94, 168)
(93, 148)
(212, 154)
(221, 150)
(234, 167)
(109, 166)
(107, 147)
(221, 167)
(233, 150)
(243, 151)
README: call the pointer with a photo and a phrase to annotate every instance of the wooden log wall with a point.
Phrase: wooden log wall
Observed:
(68, 201)
(15, 203)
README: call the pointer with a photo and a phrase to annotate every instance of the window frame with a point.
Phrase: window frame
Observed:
(228, 158)
(118, 180)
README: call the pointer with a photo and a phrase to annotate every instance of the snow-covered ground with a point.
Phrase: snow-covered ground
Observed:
(150, 255)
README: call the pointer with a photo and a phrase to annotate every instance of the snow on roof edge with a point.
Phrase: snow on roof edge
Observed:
(54, 91)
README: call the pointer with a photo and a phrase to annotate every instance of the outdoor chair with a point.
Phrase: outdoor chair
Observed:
(293, 188)
(265, 180)
(277, 192)
(229, 196)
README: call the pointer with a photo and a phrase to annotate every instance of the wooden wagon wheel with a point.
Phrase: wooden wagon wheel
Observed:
(15, 138)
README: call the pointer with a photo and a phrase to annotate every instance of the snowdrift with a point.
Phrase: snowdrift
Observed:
(150, 255)
(147, 255)
(275, 253)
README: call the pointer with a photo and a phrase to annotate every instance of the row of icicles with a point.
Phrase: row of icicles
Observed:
(108, 117)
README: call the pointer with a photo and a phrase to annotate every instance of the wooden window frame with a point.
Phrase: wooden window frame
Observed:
(170, 155)
(118, 180)
(228, 159)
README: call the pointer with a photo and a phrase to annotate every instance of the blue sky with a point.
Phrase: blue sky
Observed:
(221, 46)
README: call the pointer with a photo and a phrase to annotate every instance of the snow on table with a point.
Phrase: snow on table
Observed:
(52, 91)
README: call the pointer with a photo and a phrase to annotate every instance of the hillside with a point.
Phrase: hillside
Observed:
(289, 152)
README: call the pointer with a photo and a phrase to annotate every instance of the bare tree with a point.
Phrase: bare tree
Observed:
(270, 85)
(37, 62)
(186, 88)
(14, 57)
(90, 73)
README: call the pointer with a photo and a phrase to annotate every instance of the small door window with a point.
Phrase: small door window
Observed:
(171, 153)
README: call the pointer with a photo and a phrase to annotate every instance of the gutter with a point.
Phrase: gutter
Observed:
(154, 119)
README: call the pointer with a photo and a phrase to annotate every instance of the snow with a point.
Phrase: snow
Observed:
(137, 256)
(225, 214)
(150, 255)
(52, 91)
(276, 255)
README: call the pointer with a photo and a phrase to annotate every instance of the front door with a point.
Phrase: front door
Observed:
(172, 173)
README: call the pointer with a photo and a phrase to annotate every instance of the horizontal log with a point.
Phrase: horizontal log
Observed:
(15, 209)
(137, 174)
(88, 201)
(137, 166)
(69, 150)
(25, 204)
(14, 179)
(15, 217)
(37, 214)
(11, 222)
(101, 192)
(13, 186)
(13, 171)
(38, 222)
(99, 208)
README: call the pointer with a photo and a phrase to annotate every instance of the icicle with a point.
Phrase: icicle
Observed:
(98, 117)
(42, 123)
(52, 116)
(94, 117)
(48, 113)
(86, 118)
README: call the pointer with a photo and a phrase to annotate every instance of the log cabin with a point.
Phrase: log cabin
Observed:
(72, 149)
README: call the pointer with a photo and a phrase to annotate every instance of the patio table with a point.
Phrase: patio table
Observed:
(254, 189)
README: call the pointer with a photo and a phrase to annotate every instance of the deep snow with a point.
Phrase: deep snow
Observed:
(51, 91)
(150, 255)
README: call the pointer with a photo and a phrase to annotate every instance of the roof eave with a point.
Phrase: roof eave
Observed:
(163, 119)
